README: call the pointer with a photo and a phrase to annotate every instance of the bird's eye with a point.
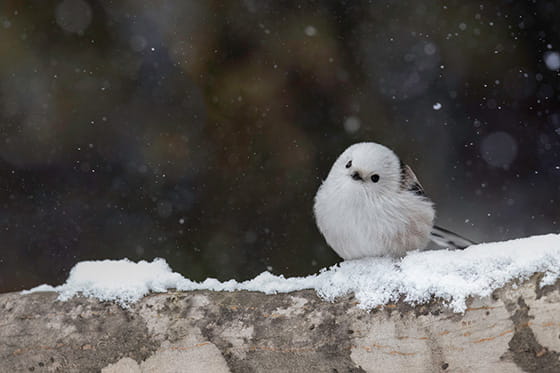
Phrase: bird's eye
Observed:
(375, 178)
(349, 164)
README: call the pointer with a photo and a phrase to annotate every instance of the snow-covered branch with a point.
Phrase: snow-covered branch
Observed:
(492, 307)
(514, 329)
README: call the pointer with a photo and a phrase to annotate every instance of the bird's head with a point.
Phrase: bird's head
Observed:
(369, 166)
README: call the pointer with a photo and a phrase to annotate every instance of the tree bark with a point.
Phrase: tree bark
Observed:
(516, 329)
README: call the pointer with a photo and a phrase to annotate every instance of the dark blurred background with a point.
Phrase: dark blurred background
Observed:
(199, 131)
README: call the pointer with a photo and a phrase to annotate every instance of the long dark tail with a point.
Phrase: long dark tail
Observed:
(443, 237)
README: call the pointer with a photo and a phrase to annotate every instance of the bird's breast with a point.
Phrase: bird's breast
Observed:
(354, 225)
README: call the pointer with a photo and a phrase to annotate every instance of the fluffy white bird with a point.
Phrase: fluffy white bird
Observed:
(371, 204)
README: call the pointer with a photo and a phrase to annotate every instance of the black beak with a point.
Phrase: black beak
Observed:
(356, 176)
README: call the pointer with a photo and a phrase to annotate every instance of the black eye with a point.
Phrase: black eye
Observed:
(375, 178)
(349, 164)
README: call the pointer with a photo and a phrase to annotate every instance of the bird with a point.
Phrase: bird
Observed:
(372, 204)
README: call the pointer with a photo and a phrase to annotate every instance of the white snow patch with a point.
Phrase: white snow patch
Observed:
(450, 275)
(122, 281)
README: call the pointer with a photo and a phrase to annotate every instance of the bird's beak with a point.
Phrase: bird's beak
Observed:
(356, 176)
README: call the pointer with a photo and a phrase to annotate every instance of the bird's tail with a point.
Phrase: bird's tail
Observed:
(443, 237)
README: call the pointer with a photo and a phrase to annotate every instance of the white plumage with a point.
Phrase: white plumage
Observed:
(371, 204)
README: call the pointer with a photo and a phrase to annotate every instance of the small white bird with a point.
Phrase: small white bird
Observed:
(371, 204)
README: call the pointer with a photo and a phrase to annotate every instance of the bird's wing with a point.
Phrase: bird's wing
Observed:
(440, 236)
(444, 238)
(409, 181)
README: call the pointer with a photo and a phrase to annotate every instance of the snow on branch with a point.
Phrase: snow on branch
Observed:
(452, 276)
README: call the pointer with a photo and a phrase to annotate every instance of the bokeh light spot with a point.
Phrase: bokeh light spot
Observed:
(73, 16)
(499, 149)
